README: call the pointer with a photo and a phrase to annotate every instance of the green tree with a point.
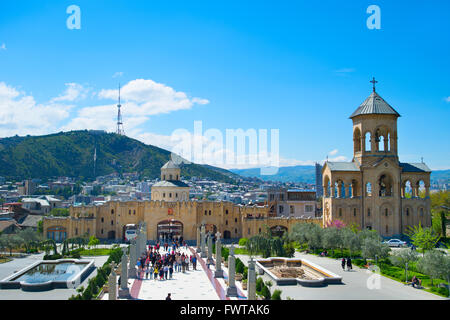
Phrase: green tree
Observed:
(432, 264)
(351, 240)
(372, 248)
(332, 238)
(403, 257)
(423, 238)
(59, 212)
(29, 237)
(93, 242)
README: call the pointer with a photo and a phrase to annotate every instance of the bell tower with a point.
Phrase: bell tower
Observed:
(374, 129)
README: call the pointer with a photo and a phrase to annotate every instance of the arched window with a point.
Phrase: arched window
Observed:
(421, 192)
(354, 212)
(368, 189)
(407, 212)
(112, 211)
(340, 212)
(385, 186)
(367, 139)
(368, 212)
(357, 140)
(386, 212)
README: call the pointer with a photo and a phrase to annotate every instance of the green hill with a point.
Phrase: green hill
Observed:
(72, 154)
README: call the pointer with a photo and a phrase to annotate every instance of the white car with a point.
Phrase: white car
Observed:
(395, 243)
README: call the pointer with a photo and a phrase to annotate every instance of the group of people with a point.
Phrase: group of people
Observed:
(156, 264)
(347, 263)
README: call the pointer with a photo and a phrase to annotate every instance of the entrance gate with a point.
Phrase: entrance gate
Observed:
(169, 229)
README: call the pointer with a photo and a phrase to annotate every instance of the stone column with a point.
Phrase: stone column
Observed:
(124, 292)
(133, 259)
(219, 272)
(112, 283)
(251, 280)
(210, 259)
(145, 237)
(198, 240)
(231, 289)
(202, 240)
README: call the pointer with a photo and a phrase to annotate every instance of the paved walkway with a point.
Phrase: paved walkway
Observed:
(191, 285)
(355, 285)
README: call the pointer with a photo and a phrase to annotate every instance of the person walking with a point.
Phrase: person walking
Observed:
(343, 263)
(155, 273)
(194, 262)
(168, 298)
(166, 271)
(349, 264)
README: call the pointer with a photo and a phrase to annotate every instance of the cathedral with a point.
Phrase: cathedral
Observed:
(375, 190)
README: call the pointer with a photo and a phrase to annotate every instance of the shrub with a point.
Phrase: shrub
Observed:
(239, 266)
(276, 295)
(289, 249)
(53, 256)
(265, 292)
(245, 273)
(259, 284)
(243, 242)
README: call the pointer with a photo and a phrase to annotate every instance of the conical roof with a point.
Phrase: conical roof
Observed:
(170, 165)
(374, 104)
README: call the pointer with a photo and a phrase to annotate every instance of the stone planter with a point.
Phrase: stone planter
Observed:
(239, 276)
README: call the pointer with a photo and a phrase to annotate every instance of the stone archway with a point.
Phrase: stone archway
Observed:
(227, 234)
(278, 231)
(111, 235)
(169, 229)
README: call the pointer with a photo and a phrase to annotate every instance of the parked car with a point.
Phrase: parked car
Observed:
(395, 243)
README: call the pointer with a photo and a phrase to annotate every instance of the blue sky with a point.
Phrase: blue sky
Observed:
(298, 66)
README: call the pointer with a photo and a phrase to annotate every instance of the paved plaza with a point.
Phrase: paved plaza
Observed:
(354, 285)
(200, 284)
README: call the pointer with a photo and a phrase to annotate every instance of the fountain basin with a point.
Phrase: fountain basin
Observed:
(293, 271)
(46, 275)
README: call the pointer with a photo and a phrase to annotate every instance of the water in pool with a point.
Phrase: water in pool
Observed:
(51, 272)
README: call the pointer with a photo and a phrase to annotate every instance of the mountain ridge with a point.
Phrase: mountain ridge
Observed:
(71, 154)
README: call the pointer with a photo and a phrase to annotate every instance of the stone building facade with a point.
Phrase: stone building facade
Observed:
(167, 215)
(375, 190)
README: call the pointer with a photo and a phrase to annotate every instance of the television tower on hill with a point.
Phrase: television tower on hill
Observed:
(119, 118)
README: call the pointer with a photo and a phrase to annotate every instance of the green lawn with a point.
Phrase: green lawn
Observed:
(95, 252)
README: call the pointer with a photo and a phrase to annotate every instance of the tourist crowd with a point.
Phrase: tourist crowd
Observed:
(161, 261)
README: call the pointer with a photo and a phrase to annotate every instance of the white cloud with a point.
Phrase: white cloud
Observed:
(147, 97)
(20, 114)
(3, 46)
(447, 99)
(333, 152)
(74, 91)
(117, 74)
